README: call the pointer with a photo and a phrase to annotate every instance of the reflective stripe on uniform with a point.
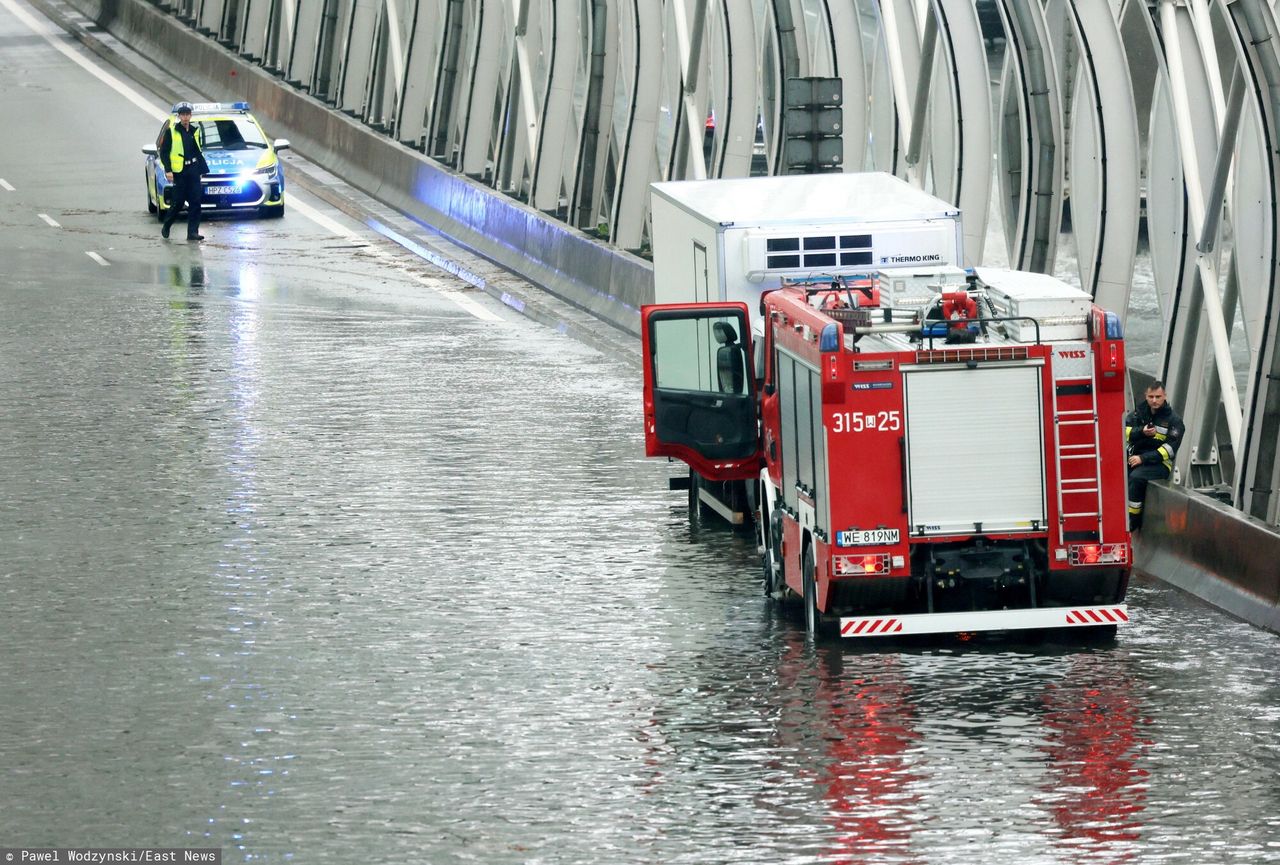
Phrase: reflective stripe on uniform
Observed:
(1135, 508)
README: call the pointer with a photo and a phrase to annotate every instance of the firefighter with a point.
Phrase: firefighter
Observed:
(1153, 432)
(184, 164)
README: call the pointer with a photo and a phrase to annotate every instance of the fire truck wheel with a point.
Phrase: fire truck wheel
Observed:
(812, 619)
(767, 565)
(770, 543)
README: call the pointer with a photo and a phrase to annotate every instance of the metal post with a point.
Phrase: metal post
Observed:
(1222, 166)
(1208, 272)
(923, 85)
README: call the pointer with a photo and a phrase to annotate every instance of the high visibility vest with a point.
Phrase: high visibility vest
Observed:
(177, 155)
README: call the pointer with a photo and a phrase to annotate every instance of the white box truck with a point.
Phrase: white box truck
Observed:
(731, 239)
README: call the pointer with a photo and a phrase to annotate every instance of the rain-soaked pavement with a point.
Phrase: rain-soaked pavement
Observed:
(303, 559)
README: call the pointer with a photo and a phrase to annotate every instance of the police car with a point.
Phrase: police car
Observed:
(245, 171)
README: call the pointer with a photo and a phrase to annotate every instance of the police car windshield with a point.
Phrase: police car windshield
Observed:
(233, 133)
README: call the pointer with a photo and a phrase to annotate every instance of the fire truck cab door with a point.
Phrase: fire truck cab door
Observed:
(699, 388)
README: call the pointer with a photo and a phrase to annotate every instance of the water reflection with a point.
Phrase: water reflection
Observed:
(872, 782)
(1095, 744)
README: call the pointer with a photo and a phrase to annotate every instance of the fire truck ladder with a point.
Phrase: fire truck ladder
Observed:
(1083, 489)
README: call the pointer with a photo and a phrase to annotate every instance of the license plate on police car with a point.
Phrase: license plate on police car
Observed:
(220, 190)
(866, 537)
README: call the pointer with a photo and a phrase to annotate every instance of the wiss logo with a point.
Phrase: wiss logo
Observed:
(1079, 352)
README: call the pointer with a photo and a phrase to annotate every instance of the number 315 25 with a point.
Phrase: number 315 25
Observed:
(871, 421)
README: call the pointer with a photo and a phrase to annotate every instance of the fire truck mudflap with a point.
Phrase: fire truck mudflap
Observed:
(987, 620)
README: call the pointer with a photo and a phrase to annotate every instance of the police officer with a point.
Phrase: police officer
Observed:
(184, 164)
(1153, 431)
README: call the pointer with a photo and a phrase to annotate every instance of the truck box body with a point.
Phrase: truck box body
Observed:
(732, 239)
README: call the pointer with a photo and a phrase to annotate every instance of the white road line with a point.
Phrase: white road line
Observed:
(6, 184)
(51, 36)
(444, 264)
(49, 219)
(320, 219)
(48, 34)
(98, 258)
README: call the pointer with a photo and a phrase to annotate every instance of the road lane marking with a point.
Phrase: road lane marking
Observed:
(51, 36)
(49, 219)
(101, 74)
(6, 184)
(457, 297)
(444, 264)
(323, 221)
(98, 258)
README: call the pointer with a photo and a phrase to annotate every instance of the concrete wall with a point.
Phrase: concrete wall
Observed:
(602, 280)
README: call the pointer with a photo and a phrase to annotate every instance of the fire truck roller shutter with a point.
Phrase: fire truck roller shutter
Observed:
(730, 359)
(975, 449)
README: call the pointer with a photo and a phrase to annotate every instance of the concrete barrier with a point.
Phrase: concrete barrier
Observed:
(609, 283)
(1213, 551)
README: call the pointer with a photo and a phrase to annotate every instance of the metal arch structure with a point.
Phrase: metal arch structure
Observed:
(1257, 30)
(575, 106)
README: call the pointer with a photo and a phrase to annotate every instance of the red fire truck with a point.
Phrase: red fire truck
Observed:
(925, 451)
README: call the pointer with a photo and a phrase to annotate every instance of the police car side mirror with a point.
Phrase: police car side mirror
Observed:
(149, 149)
(280, 144)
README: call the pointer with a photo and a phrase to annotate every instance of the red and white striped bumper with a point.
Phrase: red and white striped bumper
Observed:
(986, 620)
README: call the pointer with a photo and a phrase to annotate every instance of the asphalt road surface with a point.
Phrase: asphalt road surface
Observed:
(311, 552)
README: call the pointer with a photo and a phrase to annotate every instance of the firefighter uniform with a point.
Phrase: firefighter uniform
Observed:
(180, 153)
(1156, 452)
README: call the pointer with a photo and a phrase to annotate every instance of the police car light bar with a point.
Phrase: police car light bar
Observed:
(210, 107)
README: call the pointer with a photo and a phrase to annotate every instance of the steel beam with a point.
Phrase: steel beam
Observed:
(557, 125)
(593, 148)
(962, 143)
(689, 32)
(1105, 167)
(1031, 144)
(422, 57)
(641, 57)
(901, 38)
(1258, 477)
(1206, 264)
(849, 63)
(736, 94)
(487, 31)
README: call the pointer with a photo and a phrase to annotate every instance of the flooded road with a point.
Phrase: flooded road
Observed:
(303, 559)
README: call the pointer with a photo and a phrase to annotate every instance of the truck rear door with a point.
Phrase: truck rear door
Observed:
(975, 448)
(699, 392)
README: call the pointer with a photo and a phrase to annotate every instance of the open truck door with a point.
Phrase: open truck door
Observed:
(699, 390)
